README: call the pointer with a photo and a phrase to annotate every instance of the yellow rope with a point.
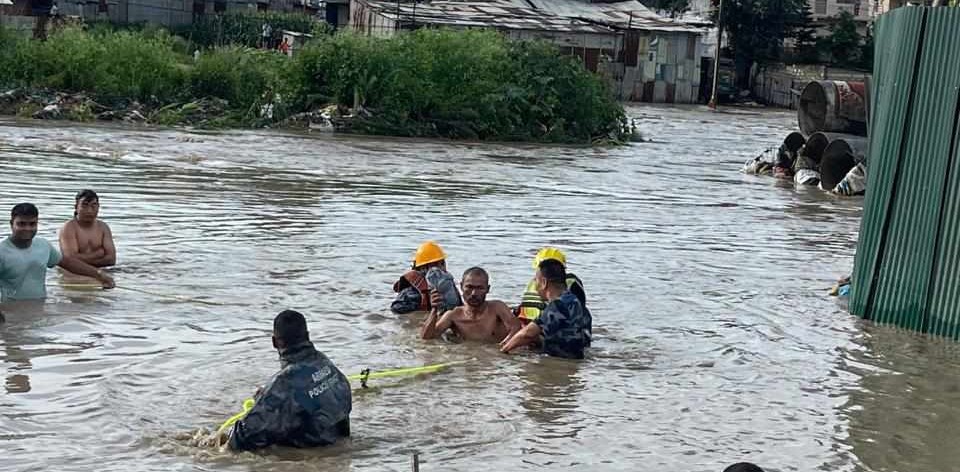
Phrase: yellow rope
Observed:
(178, 298)
(247, 406)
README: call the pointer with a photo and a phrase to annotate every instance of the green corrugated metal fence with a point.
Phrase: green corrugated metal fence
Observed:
(907, 265)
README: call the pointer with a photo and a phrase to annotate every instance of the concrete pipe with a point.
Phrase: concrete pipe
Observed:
(813, 149)
(833, 106)
(794, 141)
(841, 155)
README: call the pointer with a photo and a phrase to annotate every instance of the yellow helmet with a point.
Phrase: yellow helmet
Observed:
(428, 252)
(548, 253)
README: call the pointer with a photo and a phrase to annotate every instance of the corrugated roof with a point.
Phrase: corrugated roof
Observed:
(628, 14)
(484, 15)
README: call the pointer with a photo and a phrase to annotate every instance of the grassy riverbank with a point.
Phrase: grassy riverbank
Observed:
(431, 83)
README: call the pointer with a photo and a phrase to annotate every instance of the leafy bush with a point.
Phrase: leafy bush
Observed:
(240, 75)
(462, 84)
(113, 66)
(244, 29)
(10, 44)
(457, 84)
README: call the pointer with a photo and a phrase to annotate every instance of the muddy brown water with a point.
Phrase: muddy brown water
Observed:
(714, 338)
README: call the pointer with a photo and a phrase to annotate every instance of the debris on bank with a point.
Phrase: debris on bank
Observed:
(208, 112)
(830, 149)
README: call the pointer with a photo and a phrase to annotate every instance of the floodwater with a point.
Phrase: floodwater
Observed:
(715, 341)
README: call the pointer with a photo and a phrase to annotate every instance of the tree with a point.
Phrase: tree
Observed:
(844, 44)
(805, 39)
(756, 30)
(866, 51)
(674, 8)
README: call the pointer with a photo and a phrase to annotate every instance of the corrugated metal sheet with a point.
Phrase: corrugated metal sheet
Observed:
(904, 280)
(906, 269)
(482, 15)
(944, 300)
(628, 14)
(897, 43)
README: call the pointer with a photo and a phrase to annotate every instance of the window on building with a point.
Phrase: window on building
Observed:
(856, 9)
(199, 7)
(219, 7)
(820, 7)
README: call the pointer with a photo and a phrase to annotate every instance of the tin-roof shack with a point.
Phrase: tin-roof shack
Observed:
(644, 56)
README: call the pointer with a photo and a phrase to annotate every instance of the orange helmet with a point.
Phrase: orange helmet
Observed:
(428, 252)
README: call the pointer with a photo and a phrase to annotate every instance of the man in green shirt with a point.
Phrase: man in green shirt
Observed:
(25, 258)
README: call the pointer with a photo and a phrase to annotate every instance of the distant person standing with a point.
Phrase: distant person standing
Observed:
(85, 236)
(266, 32)
(284, 47)
(41, 13)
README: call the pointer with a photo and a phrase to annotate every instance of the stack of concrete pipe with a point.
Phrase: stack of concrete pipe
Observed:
(833, 118)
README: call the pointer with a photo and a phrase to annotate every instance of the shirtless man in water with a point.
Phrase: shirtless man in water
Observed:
(85, 237)
(479, 320)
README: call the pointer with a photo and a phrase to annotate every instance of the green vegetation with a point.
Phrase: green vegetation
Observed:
(472, 84)
(244, 29)
(674, 8)
(845, 47)
(757, 29)
(113, 66)
(432, 83)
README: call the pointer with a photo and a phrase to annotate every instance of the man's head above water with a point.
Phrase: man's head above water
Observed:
(289, 329)
(475, 285)
(551, 276)
(23, 222)
(743, 467)
(87, 206)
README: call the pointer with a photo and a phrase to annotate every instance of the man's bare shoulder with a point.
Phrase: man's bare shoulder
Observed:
(69, 225)
(499, 306)
(102, 225)
(455, 313)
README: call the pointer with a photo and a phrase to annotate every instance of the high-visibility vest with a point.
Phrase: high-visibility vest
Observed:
(531, 304)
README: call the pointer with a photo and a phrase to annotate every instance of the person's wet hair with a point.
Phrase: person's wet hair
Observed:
(290, 327)
(87, 195)
(743, 467)
(476, 271)
(553, 271)
(26, 210)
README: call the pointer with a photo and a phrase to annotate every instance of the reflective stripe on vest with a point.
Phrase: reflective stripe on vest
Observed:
(531, 304)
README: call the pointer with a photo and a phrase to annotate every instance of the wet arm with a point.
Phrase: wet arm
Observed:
(79, 267)
(526, 336)
(68, 241)
(70, 248)
(268, 423)
(108, 256)
(509, 320)
(92, 258)
(434, 327)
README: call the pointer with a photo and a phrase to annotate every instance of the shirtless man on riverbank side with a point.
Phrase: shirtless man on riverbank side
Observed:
(479, 320)
(85, 237)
